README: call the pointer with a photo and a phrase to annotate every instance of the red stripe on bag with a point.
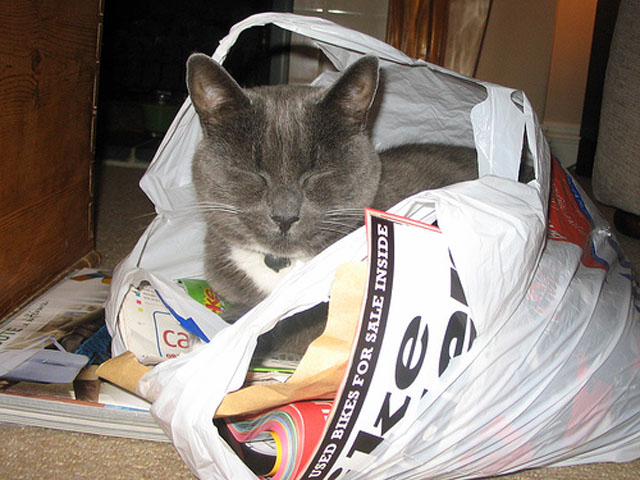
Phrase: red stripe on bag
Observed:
(569, 220)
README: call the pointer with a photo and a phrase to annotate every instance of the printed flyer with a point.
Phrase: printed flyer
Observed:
(412, 326)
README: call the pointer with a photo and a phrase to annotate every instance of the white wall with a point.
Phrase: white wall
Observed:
(517, 47)
(543, 48)
(568, 76)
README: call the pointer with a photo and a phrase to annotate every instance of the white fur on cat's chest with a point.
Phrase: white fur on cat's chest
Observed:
(252, 263)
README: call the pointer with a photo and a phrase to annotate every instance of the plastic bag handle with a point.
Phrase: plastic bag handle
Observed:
(317, 29)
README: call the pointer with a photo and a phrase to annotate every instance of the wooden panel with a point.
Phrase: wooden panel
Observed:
(419, 28)
(48, 70)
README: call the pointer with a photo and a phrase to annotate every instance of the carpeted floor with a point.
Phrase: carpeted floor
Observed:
(38, 453)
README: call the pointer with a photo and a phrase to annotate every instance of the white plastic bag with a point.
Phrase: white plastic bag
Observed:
(553, 377)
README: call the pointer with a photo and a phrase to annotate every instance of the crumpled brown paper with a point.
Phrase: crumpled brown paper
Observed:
(124, 371)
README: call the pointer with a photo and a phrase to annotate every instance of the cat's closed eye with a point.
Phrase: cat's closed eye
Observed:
(310, 178)
(320, 186)
(247, 178)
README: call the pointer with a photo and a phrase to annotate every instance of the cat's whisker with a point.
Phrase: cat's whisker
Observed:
(344, 219)
(217, 209)
(349, 225)
(338, 227)
(214, 204)
(346, 212)
(349, 218)
(335, 230)
(210, 207)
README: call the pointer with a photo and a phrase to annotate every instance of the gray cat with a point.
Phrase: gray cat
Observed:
(284, 171)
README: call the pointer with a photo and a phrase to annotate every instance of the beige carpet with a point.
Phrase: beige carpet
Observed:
(38, 453)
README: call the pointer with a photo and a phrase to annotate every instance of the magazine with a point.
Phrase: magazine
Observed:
(63, 319)
(115, 413)
(279, 443)
(76, 300)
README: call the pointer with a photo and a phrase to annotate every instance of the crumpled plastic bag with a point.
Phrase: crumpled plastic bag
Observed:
(553, 377)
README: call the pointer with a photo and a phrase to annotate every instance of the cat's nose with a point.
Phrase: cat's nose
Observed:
(285, 222)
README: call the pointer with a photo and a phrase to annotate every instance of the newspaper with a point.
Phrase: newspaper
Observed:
(74, 303)
(71, 302)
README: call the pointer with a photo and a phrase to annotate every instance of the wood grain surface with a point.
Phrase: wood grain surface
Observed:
(48, 73)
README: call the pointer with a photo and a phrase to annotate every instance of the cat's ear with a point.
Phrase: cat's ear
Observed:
(353, 92)
(211, 88)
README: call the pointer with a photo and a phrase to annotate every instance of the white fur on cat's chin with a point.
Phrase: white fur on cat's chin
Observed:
(252, 263)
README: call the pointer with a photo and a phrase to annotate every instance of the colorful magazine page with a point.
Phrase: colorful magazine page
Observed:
(285, 438)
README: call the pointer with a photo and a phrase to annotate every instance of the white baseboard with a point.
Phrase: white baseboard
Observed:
(564, 139)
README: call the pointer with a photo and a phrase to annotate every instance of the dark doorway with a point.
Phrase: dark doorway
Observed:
(144, 50)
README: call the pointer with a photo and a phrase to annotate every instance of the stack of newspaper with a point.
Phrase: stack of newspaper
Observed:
(50, 349)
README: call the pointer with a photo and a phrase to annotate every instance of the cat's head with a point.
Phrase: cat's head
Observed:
(283, 170)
